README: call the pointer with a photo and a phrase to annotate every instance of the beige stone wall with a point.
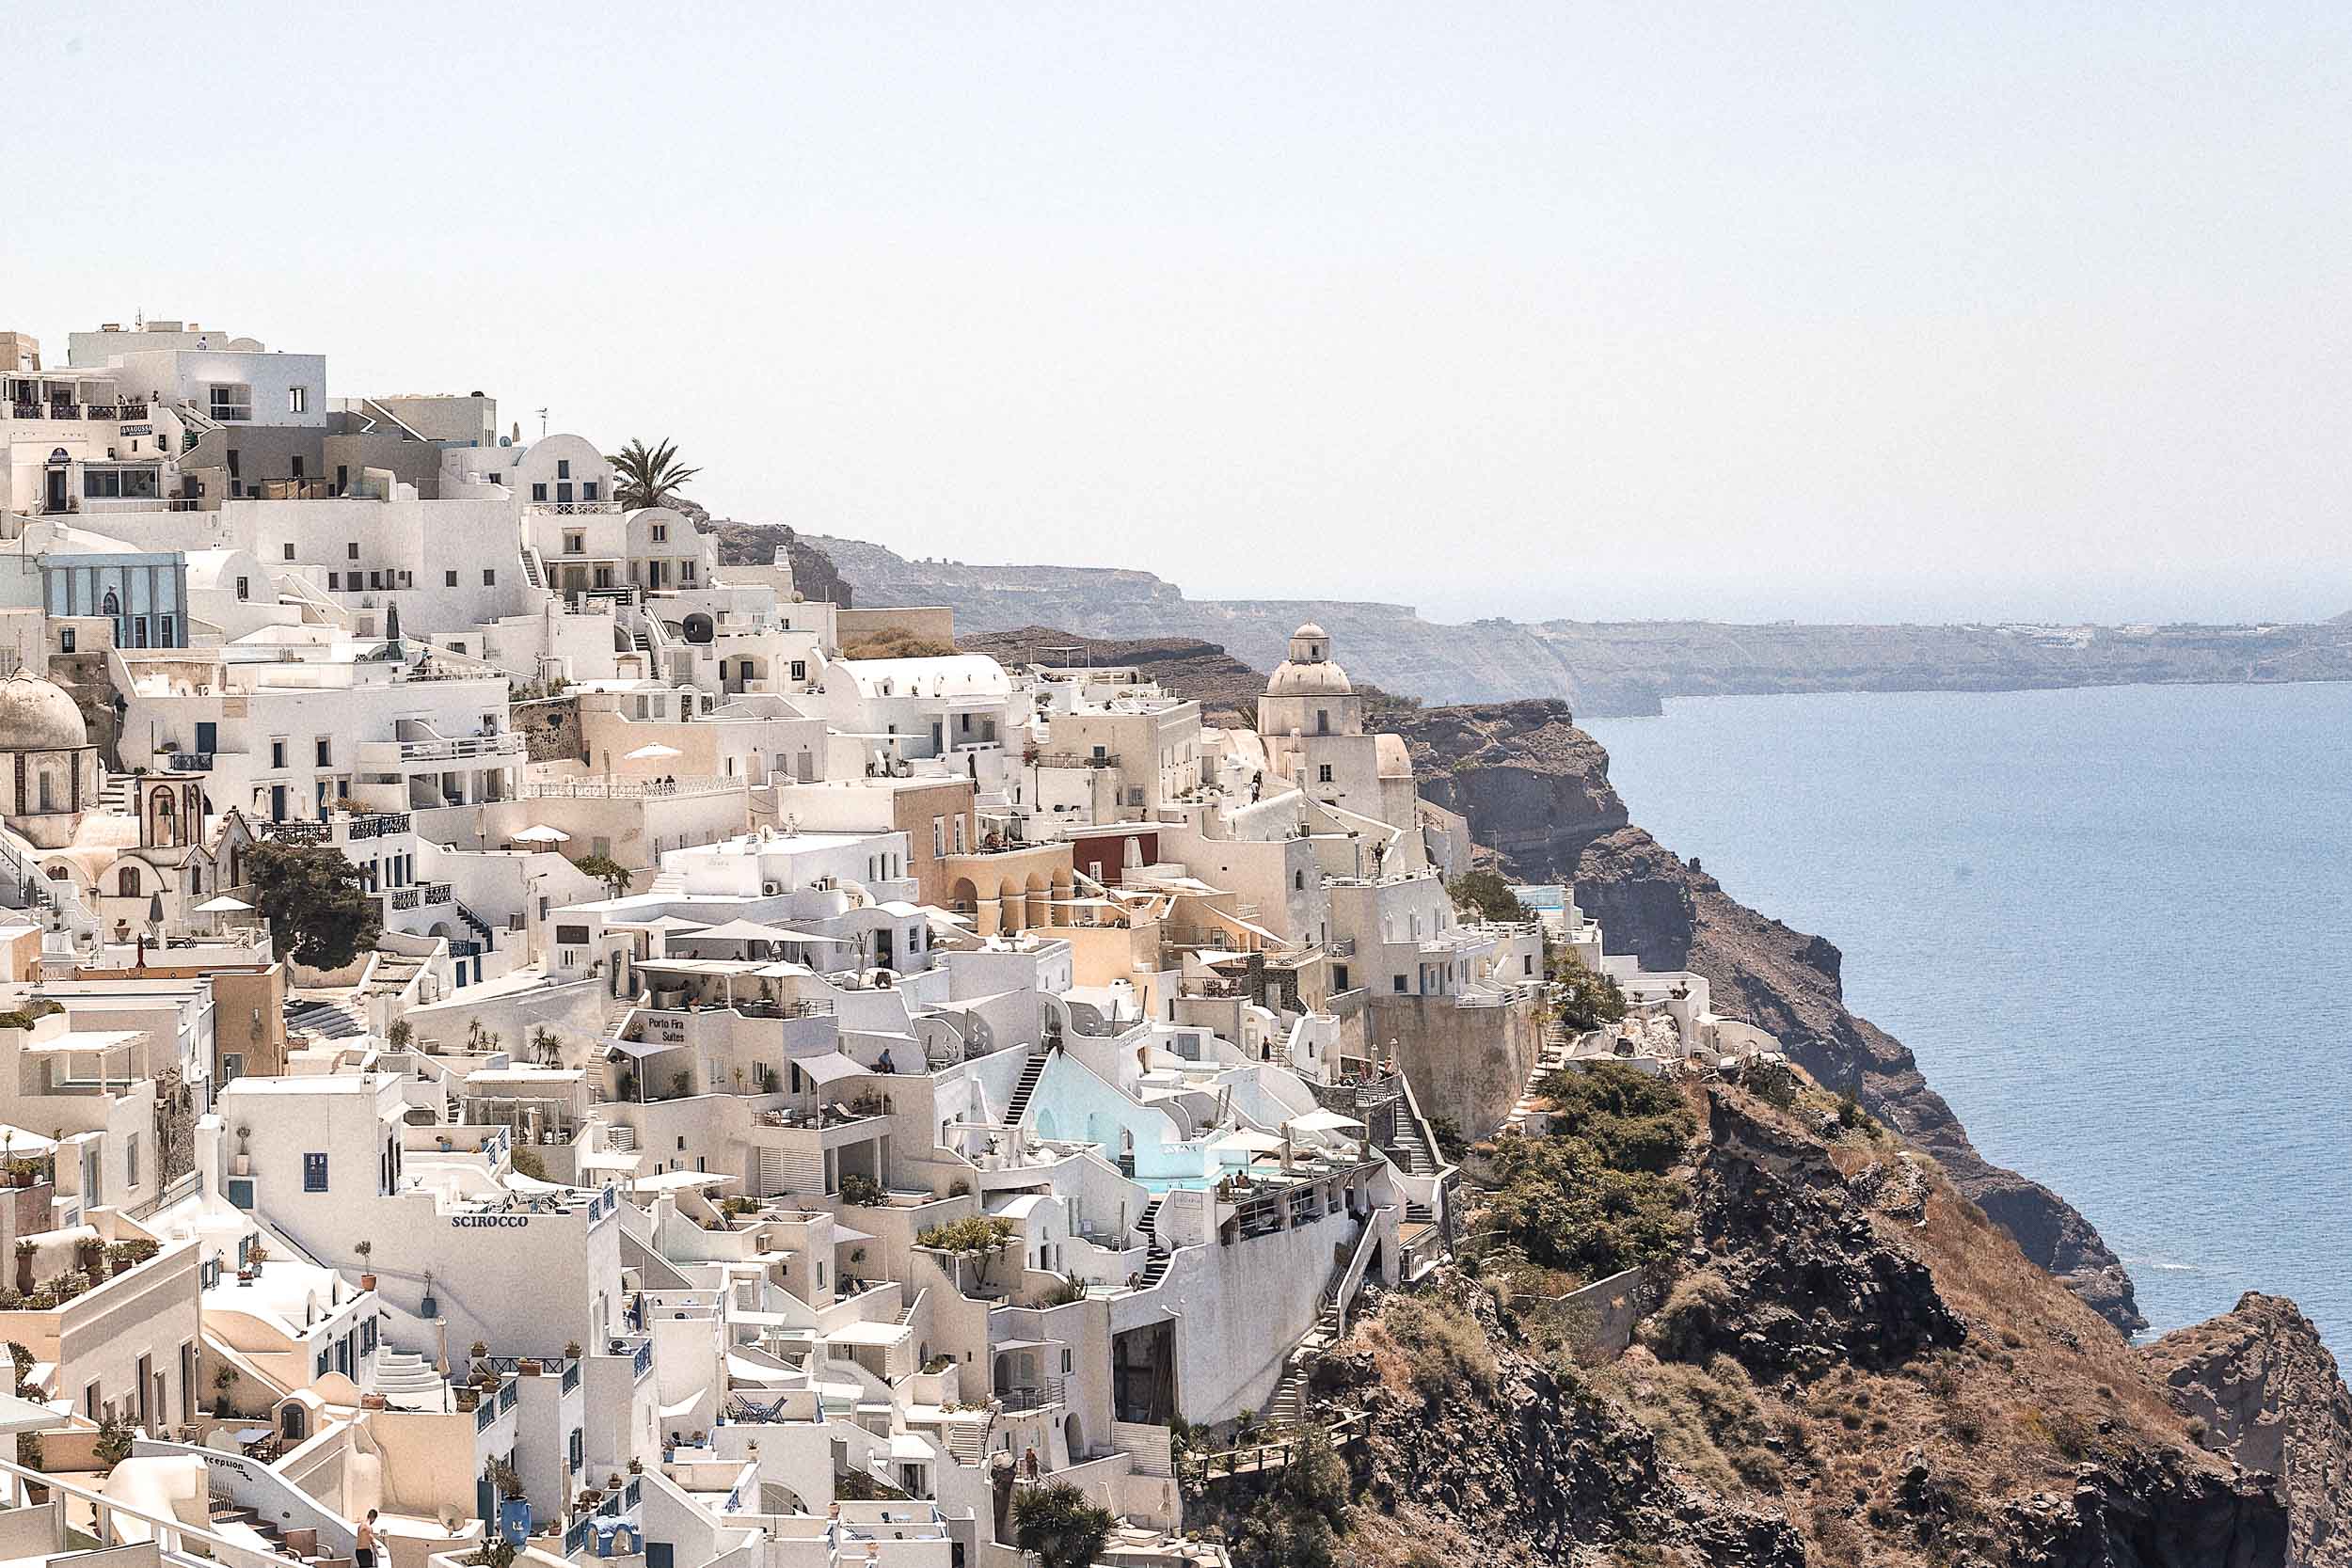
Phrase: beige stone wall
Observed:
(1467, 1063)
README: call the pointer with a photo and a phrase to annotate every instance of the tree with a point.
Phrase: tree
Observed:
(978, 1237)
(605, 869)
(1059, 1525)
(1485, 895)
(648, 476)
(318, 909)
(1587, 1000)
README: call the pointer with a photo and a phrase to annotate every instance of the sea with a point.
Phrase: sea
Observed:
(2113, 923)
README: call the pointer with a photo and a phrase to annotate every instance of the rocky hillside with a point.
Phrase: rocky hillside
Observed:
(754, 545)
(1854, 1366)
(1226, 689)
(1604, 667)
(2261, 1387)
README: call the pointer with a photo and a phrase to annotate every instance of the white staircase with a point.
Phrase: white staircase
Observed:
(408, 1381)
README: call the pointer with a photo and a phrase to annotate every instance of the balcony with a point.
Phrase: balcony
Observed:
(573, 509)
(191, 762)
(378, 825)
(1045, 1393)
(506, 745)
(298, 832)
(1075, 759)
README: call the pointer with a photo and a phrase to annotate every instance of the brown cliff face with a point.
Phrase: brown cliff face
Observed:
(1853, 1366)
(2270, 1398)
(1536, 790)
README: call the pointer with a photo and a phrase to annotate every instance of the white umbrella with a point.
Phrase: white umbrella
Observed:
(222, 904)
(541, 835)
(652, 750)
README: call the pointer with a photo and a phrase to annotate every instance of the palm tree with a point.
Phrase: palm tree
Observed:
(649, 476)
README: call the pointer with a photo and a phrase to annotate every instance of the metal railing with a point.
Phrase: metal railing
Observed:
(1046, 1392)
(1075, 759)
(191, 762)
(381, 824)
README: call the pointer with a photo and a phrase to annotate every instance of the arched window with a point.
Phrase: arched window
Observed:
(1298, 881)
(111, 605)
(127, 884)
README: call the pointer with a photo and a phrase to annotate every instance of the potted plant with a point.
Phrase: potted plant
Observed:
(466, 1399)
(514, 1508)
(365, 1250)
(25, 1252)
(571, 1351)
(528, 1366)
(241, 1163)
(119, 1258)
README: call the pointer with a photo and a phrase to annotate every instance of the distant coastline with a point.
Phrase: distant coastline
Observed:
(1603, 669)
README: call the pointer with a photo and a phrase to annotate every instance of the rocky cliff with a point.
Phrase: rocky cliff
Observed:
(2265, 1390)
(1853, 1366)
(1536, 790)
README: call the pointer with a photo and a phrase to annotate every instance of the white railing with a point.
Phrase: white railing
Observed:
(504, 745)
(114, 1523)
(624, 789)
(573, 509)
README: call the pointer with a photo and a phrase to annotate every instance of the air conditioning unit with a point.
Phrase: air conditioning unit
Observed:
(772, 889)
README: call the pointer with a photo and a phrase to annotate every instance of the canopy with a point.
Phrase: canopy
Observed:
(655, 748)
(1322, 1121)
(642, 1049)
(1024, 1345)
(1257, 1143)
(743, 931)
(828, 1067)
(860, 1331)
(843, 1235)
(541, 834)
(222, 904)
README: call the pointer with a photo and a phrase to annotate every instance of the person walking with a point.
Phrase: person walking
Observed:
(366, 1548)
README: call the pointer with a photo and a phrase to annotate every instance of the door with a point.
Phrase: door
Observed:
(207, 733)
(277, 802)
(56, 490)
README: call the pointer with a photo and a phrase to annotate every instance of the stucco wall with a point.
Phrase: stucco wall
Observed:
(1467, 1063)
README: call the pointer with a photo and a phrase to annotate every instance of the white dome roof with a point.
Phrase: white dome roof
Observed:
(1321, 678)
(36, 715)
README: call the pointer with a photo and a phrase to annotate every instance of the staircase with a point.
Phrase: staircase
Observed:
(531, 573)
(968, 1442)
(1552, 1056)
(1021, 1091)
(1407, 1149)
(393, 973)
(1146, 1223)
(474, 923)
(639, 641)
(113, 795)
(408, 1381)
(334, 1021)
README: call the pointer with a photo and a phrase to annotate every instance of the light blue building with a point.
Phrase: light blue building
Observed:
(145, 595)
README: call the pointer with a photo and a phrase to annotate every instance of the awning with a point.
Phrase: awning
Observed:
(647, 752)
(642, 1049)
(222, 904)
(1322, 1121)
(743, 931)
(1024, 1344)
(864, 1332)
(828, 1067)
(848, 1233)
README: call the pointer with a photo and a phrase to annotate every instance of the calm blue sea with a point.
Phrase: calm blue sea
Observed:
(2113, 924)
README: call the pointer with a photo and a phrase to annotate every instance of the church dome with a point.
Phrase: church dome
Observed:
(1308, 672)
(36, 715)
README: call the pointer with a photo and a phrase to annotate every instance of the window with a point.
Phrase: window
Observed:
(575, 542)
(588, 490)
(489, 576)
(342, 478)
(127, 884)
(231, 1066)
(325, 752)
(334, 581)
(245, 589)
(563, 467)
(538, 492)
(939, 835)
(351, 551)
(296, 460)
(571, 936)
(1339, 976)
(1400, 983)
(314, 1173)
(228, 399)
(241, 1191)
(289, 549)
(131, 1161)
(1323, 774)
(65, 640)
(448, 579)
(232, 463)
(277, 754)
(661, 533)
(579, 1448)
(800, 669)
(298, 400)
(1298, 881)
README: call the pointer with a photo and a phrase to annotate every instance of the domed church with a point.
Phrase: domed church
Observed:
(52, 768)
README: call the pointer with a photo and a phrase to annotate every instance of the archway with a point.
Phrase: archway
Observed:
(1073, 1438)
(1037, 912)
(1013, 906)
(965, 899)
(1059, 914)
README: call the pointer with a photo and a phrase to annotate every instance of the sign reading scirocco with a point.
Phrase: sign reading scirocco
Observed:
(490, 1222)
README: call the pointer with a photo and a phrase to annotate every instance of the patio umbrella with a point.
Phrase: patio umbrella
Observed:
(652, 750)
(541, 835)
(222, 904)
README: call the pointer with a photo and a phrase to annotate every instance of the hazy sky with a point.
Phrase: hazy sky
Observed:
(1884, 311)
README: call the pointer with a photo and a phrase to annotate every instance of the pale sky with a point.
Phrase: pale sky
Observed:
(1866, 312)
